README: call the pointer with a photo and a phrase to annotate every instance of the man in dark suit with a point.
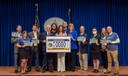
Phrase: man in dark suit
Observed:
(34, 35)
(47, 57)
(43, 42)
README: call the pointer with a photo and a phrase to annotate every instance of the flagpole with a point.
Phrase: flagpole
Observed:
(37, 15)
(69, 15)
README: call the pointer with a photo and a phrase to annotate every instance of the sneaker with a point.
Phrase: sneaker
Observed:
(107, 72)
(104, 70)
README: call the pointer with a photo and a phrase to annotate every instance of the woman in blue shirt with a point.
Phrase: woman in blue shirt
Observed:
(72, 56)
(24, 47)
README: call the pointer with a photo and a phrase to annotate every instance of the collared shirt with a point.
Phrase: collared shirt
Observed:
(35, 35)
(81, 33)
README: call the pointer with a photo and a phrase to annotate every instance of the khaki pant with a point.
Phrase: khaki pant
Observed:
(83, 60)
(113, 55)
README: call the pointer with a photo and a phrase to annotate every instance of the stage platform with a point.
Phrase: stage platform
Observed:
(9, 71)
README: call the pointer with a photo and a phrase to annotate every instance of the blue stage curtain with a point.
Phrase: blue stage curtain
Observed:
(91, 13)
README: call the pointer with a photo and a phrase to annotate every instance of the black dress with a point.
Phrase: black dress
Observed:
(96, 48)
(24, 52)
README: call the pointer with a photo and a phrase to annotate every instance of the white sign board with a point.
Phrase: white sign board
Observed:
(57, 44)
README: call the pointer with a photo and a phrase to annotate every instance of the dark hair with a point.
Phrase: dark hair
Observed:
(58, 29)
(105, 30)
(92, 31)
(18, 25)
(24, 33)
(94, 28)
(52, 26)
(34, 25)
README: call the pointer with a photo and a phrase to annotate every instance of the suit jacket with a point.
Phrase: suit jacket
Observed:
(14, 40)
(31, 35)
(42, 40)
(43, 37)
(74, 40)
(84, 45)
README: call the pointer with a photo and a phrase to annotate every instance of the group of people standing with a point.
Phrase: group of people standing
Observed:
(27, 45)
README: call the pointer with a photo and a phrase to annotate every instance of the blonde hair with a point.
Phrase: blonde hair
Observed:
(71, 25)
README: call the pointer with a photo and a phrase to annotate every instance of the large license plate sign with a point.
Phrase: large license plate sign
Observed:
(57, 44)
